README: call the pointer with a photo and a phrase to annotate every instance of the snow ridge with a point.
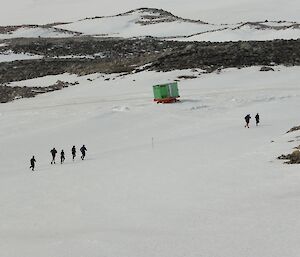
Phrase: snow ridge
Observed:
(157, 23)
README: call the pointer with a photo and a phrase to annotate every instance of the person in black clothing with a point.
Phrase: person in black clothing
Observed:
(257, 119)
(83, 150)
(247, 119)
(73, 152)
(53, 152)
(32, 163)
(62, 157)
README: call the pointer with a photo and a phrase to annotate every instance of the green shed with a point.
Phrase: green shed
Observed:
(166, 93)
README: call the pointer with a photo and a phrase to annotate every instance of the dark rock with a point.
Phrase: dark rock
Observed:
(294, 129)
(8, 94)
(187, 77)
(266, 68)
(294, 157)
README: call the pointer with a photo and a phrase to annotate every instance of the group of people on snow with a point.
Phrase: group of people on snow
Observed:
(83, 148)
(248, 117)
(62, 156)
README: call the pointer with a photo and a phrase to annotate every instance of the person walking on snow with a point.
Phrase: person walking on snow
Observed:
(62, 157)
(53, 152)
(247, 119)
(32, 163)
(73, 152)
(257, 119)
(83, 150)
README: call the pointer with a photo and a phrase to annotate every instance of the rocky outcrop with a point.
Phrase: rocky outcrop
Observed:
(231, 54)
(266, 68)
(150, 16)
(293, 158)
(8, 93)
(89, 55)
(293, 129)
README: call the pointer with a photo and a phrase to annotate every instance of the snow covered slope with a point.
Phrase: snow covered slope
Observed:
(139, 23)
(35, 32)
(161, 24)
(259, 31)
(207, 186)
(215, 11)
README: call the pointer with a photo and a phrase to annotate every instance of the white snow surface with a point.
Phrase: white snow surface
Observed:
(214, 11)
(126, 26)
(184, 179)
(48, 80)
(150, 22)
(9, 56)
(246, 33)
(27, 32)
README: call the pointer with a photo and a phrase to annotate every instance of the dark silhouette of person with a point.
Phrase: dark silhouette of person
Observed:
(83, 150)
(247, 119)
(62, 157)
(73, 152)
(257, 119)
(32, 163)
(53, 152)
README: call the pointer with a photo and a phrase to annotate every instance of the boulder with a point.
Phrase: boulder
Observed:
(266, 68)
(294, 157)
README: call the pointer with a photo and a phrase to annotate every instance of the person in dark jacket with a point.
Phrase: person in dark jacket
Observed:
(83, 150)
(53, 152)
(32, 163)
(62, 157)
(257, 119)
(73, 152)
(247, 119)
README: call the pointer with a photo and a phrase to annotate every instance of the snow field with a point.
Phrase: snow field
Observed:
(34, 33)
(126, 27)
(148, 22)
(244, 34)
(9, 56)
(207, 187)
(217, 11)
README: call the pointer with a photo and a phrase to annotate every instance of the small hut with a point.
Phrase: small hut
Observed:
(166, 93)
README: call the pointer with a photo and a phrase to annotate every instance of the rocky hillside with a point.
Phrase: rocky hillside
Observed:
(26, 58)
(89, 55)
(232, 54)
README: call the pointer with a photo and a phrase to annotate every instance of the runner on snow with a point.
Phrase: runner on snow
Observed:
(83, 150)
(32, 163)
(53, 152)
(247, 119)
(73, 152)
(62, 157)
(257, 119)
